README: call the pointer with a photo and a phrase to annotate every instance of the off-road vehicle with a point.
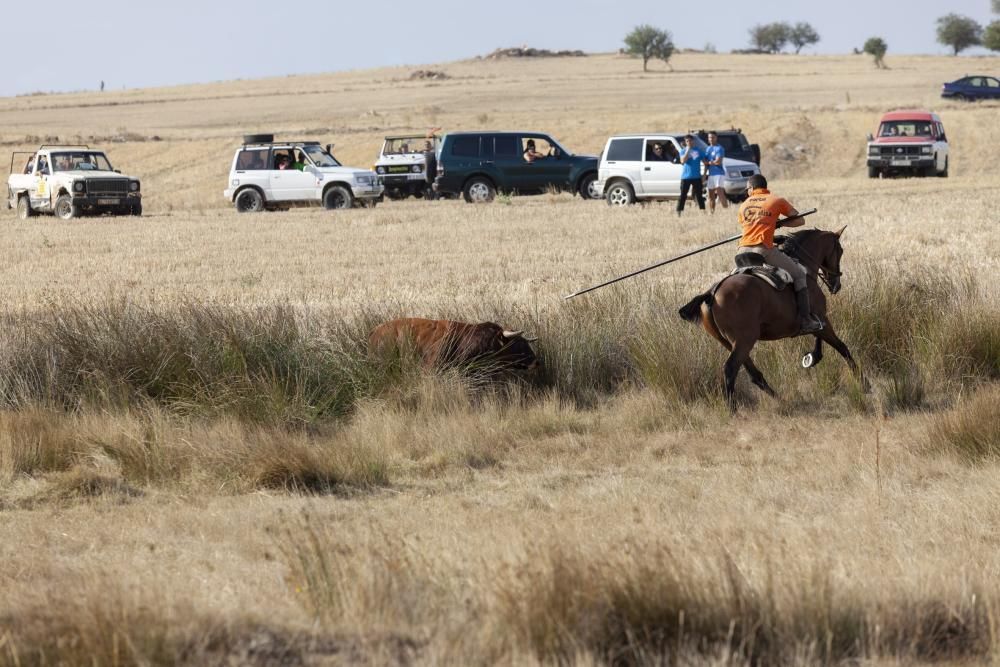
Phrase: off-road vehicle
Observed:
(908, 142)
(269, 174)
(406, 166)
(735, 143)
(630, 170)
(70, 181)
(477, 165)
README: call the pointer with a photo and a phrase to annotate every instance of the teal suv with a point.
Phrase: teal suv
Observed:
(477, 165)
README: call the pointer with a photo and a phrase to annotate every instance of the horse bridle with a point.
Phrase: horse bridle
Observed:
(825, 275)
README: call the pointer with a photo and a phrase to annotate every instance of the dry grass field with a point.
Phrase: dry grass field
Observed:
(199, 463)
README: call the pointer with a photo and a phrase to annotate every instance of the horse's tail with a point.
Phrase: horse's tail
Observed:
(691, 311)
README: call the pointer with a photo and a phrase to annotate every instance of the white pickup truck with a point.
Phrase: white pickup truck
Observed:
(70, 181)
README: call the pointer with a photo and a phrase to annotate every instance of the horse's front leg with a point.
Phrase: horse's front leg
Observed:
(810, 359)
(830, 336)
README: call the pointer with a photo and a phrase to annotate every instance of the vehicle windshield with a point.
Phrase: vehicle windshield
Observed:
(320, 157)
(408, 145)
(905, 128)
(80, 161)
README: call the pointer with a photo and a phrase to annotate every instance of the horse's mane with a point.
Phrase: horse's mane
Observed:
(799, 238)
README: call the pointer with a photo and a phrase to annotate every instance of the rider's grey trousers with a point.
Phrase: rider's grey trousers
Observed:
(775, 257)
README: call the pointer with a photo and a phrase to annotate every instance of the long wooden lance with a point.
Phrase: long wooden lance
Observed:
(679, 257)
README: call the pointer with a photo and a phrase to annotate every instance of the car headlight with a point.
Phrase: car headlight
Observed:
(926, 150)
(733, 173)
(417, 168)
(78, 186)
(133, 186)
(873, 150)
(363, 179)
(380, 170)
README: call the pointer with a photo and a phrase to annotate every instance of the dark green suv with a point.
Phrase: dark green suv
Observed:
(480, 164)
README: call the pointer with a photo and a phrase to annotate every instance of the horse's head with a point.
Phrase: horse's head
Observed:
(830, 259)
(819, 251)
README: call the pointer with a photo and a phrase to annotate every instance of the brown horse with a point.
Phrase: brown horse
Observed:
(742, 309)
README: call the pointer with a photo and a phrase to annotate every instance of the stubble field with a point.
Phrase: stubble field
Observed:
(199, 463)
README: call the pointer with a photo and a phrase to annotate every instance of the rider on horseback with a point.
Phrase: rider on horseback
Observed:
(759, 218)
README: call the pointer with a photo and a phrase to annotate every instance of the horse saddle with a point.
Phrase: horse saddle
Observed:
(752, 264)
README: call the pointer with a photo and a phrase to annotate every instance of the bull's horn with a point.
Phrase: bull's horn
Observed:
(841, 231)
(530, 339)
(512, 334)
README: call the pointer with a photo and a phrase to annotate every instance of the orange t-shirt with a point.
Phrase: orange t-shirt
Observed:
(759, 217)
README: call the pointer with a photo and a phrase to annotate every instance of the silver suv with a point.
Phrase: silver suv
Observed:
(279, 174)
(628, 170)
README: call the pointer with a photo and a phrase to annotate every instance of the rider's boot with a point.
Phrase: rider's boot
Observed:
(808, 323)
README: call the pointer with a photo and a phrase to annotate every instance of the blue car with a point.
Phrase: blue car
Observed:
(973, 88)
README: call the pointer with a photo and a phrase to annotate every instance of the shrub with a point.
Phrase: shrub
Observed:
(971, 429)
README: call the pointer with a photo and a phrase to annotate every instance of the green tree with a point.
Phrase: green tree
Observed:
(876, 48)
(991, 36)
(649, 43)
(958, 32)
(770, 37)
(803, 34)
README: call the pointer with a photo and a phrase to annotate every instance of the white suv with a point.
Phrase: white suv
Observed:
(402, 166)
(628, 170)
(280, 174)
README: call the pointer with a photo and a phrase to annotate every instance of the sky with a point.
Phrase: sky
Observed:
(143, 43)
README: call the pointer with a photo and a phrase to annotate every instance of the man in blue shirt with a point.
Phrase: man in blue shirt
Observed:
(716, 172)
(691, 159)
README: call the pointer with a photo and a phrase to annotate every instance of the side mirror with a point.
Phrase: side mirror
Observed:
(755, 149)
(118, 171)
(869, 136)
(329, 149)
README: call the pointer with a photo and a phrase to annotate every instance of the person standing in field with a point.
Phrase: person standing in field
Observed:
(758, 217)
(714, 156)
(691, 159)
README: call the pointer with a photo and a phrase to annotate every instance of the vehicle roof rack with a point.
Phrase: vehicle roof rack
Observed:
(51, 146)
(281, 143)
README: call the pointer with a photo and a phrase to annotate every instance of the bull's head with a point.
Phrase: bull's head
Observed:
(516, 351)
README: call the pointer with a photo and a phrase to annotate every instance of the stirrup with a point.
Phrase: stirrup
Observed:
(810, 324)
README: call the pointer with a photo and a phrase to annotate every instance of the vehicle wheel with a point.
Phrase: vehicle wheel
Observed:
(249, 200)
(24, 208)
(136, 210)
(419, 194)
(944, 174)
(395, 195)
(961, 98)
(588, 187)
(65, 208)
(620, 194)
(337, 197)
(872, 172)
(479, 191)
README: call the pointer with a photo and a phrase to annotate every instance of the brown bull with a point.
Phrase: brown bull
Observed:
(440, 343)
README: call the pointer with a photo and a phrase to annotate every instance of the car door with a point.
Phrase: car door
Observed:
(623, 159)
(39, 193)
(506, 159)
(539, 174)
(992, 87)
(251, 168)
(661, 177)
(289, 184)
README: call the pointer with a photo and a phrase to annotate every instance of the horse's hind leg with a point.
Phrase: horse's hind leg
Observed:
(757, 377)
(739, 355)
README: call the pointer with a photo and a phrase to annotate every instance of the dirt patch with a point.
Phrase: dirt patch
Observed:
(527, 52)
